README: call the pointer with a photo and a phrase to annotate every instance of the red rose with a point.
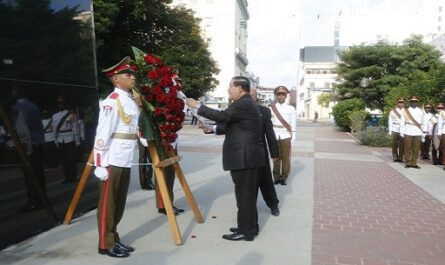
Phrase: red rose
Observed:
(153, 75)
(134, 67)
(158, 111)
(160, 97)
(156, 90)
(149, 98)
(165, 81)
(152, 59)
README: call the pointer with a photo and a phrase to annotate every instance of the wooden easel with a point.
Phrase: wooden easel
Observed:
(160, 179)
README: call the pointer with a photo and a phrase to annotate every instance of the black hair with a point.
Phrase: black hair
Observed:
(241, 81)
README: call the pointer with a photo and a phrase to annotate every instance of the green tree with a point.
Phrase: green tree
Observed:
(323, 100)
(385, 67)
(343, 109)
(157, 28)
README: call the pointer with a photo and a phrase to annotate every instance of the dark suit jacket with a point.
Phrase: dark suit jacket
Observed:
(267, 132)
(242, 146)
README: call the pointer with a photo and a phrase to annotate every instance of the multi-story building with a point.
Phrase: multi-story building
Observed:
(224, 26)
(316, 75)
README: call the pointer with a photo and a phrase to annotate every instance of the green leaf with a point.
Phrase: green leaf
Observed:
(138, 54)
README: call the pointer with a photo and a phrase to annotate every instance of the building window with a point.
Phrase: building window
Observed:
(209, 2)
(327, 85)
(439, 28)
(312, 85)
(439, 18)
(440, 8)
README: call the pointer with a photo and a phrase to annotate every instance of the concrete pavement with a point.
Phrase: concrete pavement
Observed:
(344, 204)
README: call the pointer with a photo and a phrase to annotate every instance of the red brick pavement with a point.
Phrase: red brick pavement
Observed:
(367, 213)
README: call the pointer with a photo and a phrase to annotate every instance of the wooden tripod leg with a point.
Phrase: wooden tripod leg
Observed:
(188, 193)
(79, 189)
(160, 178)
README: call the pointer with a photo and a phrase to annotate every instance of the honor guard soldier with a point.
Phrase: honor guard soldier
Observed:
(284, 124)
(394, 130)
(436, 152)
(412, 128)
(67, 135)
(441, 131)
(429, 123)
(114, 145)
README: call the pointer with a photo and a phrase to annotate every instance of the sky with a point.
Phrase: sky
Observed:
(277, 29)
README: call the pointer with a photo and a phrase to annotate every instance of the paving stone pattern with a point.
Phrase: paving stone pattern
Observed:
(366, 213)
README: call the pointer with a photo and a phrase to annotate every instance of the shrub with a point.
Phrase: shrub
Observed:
(358, 120)
(374, 136)
(342, 110)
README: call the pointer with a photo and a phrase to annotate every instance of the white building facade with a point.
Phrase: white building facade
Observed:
(316, 76)
(224, 26)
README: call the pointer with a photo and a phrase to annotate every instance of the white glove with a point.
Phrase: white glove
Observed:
(389, 133)
(101, 173)
(402, 135)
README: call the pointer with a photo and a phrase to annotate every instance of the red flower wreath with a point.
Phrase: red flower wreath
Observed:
(160, 91)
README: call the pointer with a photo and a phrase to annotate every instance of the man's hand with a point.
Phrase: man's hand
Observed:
(206, 128)
(190, 102)
(101, 173)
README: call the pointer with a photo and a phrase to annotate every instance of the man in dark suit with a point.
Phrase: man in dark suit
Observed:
(243, 152)
(265, 182)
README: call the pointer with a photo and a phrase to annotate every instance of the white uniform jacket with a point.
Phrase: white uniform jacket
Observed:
(441, 123)
(430, 120)
(69, 131)
(407, 126)
(289, 115)
(116, 137)
(394, 120)
(49, 130)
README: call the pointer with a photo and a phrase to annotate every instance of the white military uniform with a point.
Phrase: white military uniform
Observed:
(49, 132)
(115, 138)
(407, 126)
(289, 115)
(69, 131)
(430, 120)
(441, 123)
(394, 120)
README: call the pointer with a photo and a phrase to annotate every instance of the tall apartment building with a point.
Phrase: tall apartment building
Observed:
(224, 26)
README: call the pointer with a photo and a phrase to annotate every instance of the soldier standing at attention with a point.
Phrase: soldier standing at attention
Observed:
(441, 132)
(394, 130)
(429, 123)
(113, 153)
(412, 128)
(284, 124)
(67, 135)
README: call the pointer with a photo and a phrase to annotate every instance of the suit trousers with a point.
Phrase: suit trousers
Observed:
(67, 152)
(397, 146)
(246, 193)
(412, 149)
(36, 161)
(281, 166)
(110, 209)
(266, 185)
(425, 149)
(145, 171)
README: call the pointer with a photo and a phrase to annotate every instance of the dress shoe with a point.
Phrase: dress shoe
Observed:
(275, 211)
(237, 237)
(114, 252)
(235, 230)
(276, 182)
(124, 247)
(178, 210)
(163, 211)
(416, 166)
(283, 182)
